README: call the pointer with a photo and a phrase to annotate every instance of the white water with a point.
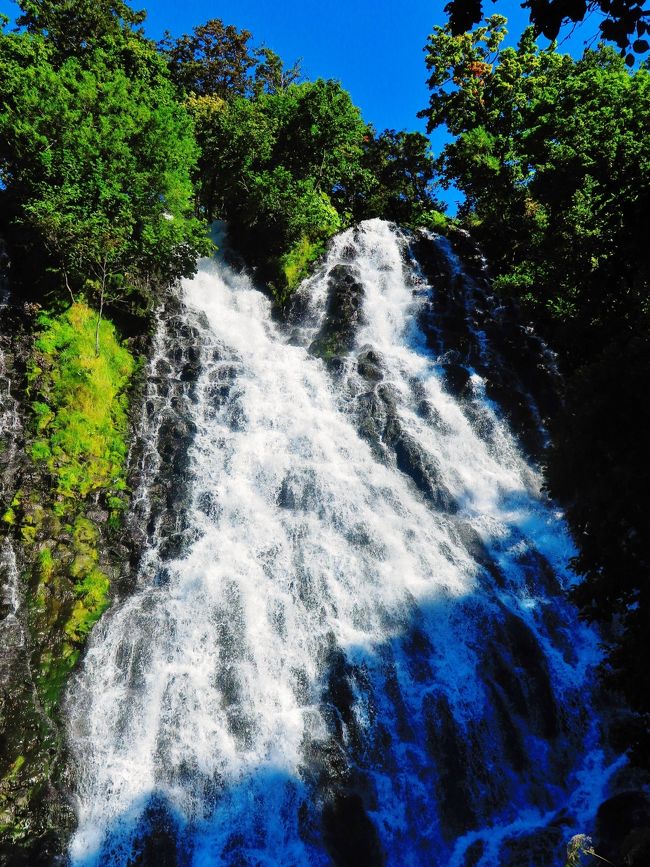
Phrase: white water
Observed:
(11, 634)
(213, 688)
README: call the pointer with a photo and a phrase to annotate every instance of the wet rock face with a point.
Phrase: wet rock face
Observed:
(30, 806)
(457, 380)
(333, 767)
(519, 371)
(157, 843)
(515, 665)
(350, 836)
(449, 744)
(544, 847)
(378, 423)
(34, 774)
(4, 260)
(345, 295)
(414, 462)
(163, 432)
(369, 365)
(34, 815)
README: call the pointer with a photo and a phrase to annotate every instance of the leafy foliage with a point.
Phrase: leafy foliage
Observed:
(80, 408)
(552, 154)
(73, 26)
(269, 164)
(214, 60)
(96, 154)
(625, 21)
(271, 75)
(96, 161)
(287, 164)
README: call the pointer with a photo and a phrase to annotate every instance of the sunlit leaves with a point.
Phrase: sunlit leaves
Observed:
(97, 154)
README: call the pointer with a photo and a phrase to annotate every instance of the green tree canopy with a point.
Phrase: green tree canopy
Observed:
(553, 155)
(269, 165)
(396, 179)
(95, 158)
(74, 25)
(624, 22)
(215, 59)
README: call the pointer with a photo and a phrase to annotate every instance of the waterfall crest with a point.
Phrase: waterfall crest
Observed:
(358, 647)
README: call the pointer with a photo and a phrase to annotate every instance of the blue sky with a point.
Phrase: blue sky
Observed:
(374, 47)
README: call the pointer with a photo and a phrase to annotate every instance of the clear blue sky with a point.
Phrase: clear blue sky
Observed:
(374, 47)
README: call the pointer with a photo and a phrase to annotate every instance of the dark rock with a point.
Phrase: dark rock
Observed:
(520, 372)
(503, 388)
(431, 260)
(173, 546)
(338, 696)
(543, 847)
(156, 843)
(457, 379)
(413, 461)
(449, 746)
(623, 829)
(208, 503)
(510, 734)
(635, 850)
(474, 853)
(369, 365)
(515, 662)
(350, 836)
(345, 295)
(478, 551)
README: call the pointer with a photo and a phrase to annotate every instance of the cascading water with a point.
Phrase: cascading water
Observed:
(360, 651)
(11, 630)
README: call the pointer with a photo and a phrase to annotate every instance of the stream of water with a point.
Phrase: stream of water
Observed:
(360, 652)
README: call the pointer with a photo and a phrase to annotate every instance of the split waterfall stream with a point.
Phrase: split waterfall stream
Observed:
(349, 640)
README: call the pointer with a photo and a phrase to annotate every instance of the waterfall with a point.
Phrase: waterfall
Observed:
(358, 648)
(12, 639)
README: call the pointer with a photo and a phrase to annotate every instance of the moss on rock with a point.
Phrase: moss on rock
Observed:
(296, 264)
(80, 418)
(72, 495)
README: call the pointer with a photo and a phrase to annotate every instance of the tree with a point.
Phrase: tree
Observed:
(321, 133)
(544, 147)
(236, 138)
(72, 26)
(395, 181)
(271, 75)
(553, 155)
(214, 60)
(96, 158)
(625, 21)
(271, 164)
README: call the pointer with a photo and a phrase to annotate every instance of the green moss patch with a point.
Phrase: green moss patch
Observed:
(296, 264)
(79, 403)
(81, 406)
(434, 220)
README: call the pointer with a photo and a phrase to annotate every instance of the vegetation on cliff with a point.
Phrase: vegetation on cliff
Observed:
(97, 208)
(287, 163)
(552, 155)
(80, 432)
(65, 513)
(114, 153)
